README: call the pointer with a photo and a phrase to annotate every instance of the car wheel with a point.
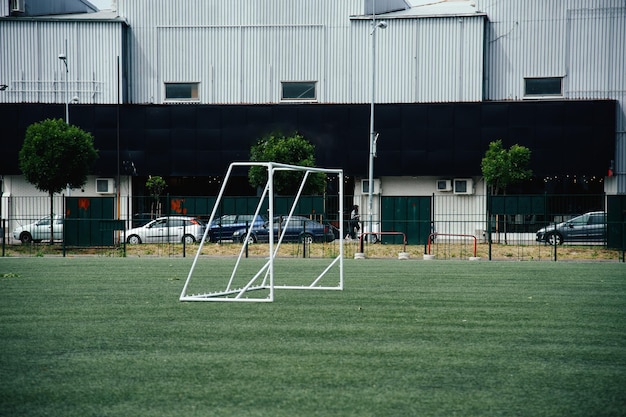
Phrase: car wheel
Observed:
(251, 239)
(555, 239)
(134, 240)
(188, 239)
(308, 238)
(25, 237)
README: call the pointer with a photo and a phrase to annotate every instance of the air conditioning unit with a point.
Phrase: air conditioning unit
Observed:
(444, 185)
(105, 186)
(463, 186)
(17, 6)
(365, 186)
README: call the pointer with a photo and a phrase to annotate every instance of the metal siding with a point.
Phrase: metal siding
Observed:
(576, 39)
(430, 60)
(417, 60)
(273, 54)
(256, 55)
(30, 66)
(303, 41)
(545, 39)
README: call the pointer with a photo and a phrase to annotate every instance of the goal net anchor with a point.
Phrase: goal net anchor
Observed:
(263, 280)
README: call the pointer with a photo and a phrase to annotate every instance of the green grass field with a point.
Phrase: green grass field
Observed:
(94, 336)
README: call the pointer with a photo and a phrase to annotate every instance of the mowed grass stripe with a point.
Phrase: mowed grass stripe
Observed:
(108, 337)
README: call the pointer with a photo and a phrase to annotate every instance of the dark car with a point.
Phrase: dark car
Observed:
(298, 229)
(589, 227)
(224, 226)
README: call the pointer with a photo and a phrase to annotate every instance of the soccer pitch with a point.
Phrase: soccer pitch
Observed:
(95, 336)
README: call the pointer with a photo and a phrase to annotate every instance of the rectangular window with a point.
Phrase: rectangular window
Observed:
(300, 90)
(543, 87)
(181, 91)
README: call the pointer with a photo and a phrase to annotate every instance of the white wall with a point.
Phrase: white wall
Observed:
(452, 213)
(22, 203)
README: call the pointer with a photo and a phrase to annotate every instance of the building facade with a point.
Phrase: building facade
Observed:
(181, 89)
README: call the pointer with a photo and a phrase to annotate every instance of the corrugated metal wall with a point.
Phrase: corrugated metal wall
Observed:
(581, 41)
(241, 55)
(31, 68)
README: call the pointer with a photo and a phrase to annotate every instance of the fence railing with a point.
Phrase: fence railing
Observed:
(543, 225)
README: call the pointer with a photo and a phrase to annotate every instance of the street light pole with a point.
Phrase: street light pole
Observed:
(373, 135)
(63, 57)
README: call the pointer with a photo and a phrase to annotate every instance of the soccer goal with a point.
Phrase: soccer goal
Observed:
(254, 281)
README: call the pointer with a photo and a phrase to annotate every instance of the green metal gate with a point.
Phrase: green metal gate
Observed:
(89, 221)
(410, 215)
(616, 222)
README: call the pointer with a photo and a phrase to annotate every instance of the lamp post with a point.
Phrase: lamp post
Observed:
(373, 135)
(63, 57)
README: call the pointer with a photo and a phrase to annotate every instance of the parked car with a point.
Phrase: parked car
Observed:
(299, 229)
(40, 230)
(223, 227)
(589, 227)
(167, 229)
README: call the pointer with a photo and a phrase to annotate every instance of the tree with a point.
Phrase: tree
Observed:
(56, 155)
(293, 150)
(155, 185)
(502, 168)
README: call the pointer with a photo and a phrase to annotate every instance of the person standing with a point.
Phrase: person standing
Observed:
(354, 221)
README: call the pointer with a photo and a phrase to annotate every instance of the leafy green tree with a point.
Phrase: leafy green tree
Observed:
(156, 185)
(293, 150)
(56, 155)
(502, 167)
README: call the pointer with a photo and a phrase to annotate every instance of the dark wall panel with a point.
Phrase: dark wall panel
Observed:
(565, 137)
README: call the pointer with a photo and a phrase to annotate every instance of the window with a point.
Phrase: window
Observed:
(104, 185)
(160, 223)
(304, 90)
(181, 91)
(541, 87)
(597, 219)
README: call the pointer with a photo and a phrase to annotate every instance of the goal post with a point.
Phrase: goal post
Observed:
(259, 286)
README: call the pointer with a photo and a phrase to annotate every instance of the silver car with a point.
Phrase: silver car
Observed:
(171, 229)
(589, 227)
(40, 230)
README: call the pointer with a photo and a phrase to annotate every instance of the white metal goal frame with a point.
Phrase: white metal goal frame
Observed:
(264, 278)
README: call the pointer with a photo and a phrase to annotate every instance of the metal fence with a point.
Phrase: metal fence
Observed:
(445, 226)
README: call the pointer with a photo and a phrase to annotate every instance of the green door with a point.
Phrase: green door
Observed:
(616, 222)
(88, 221)
(410, 215)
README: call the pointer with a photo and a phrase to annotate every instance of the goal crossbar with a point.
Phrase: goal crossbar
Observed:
(264, 278)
